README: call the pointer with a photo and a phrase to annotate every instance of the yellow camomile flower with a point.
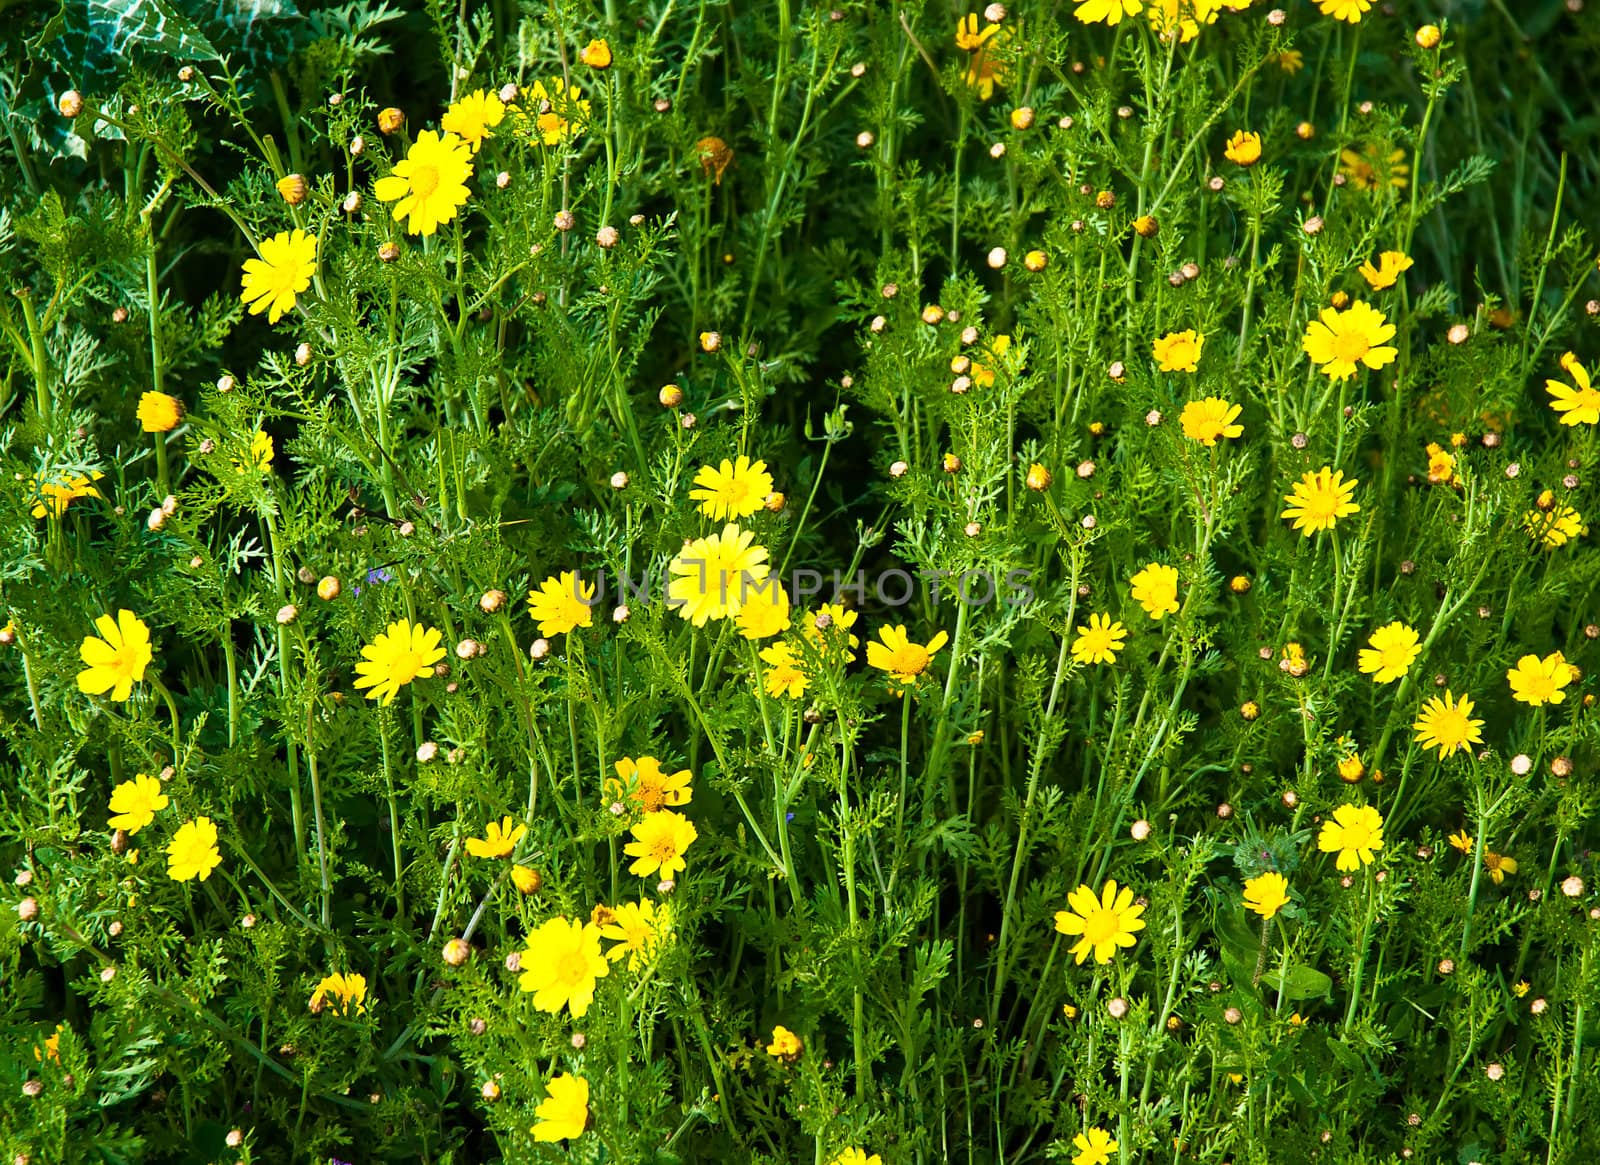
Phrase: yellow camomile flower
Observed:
(1100, 641)
(733, 489)
(1350, 11)
(1555, 527)
(158, 412)
(1447, 724)
(525, 879)
(116, 660)
(855, 1156)
(1521, 987)
(900, 657)
(1243, 148)
(1578, 405)
(1106, 11)
(498, 841)
(559, 112)
(1499, 865)
(983, 70)
(1267, 893)
(1391, 264)
(1178, 351)
(563, 1114)
(1101, 925)
(429, 184)
(346, 994)
(402, 653)
(1094, 1146)
(1355, 833)
(596, 54)
(53, 497)
(983, 374)
(638, 927)
(785, 1044)
(647, 785)
(1441, 464)
(562, 603)
(1155, 588)
(561, 965)
(713, 575)
(1391, 651)
(1210, 418)
(1538, 681)
(1337, 340)
(837, 631)
(271, 283)
(765, 612)
(659, 843)
(1291, 61)
(473, 117)
(1365, 169)
(260, 457)
(1318, 500)
(135, 803)
(1463, 841)
(784, 676)
(192, 852)
(1183, 16)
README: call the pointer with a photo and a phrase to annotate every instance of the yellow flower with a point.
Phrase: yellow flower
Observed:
(1390, 265)
(402, 653)
(596, 54)
(563, 1114)
(1100, 641)
(562, 603)
(638, 928)
(1244, 148)
(1350, 11)
(1447, 724)
(561, 965)
(135, 803)
(347, 993)
(1339, 340)
(982, 374)
(1463, 841)
(429, 184)
(1577, 406)
(900, 657)
(1267, 893)
(192, 852)
(471, 119)
(785, 1044)
(1366, 171)
(714, 574)
(643, 782)
(1441, 465)
(498, 840)
(765, 612)
(734, 489)
(559, 111)
(1209, 418)
(118, 659)
(784, 677)
(1186, 16)
(1094, 1147)
(1557, 527)
(1351, 769)
(1178, 351)
(715, 157)
(839, 621)
(1103, 925)
(983, 71)
(287, 263)
(659, 843)
(1521, 987)
(856, 1157)
(1355, 833)
(1109, 11)
(54, 496)
(1291, 61)
(1498, 865)
(159, 413)
(1318, 500)
(52, 1046)
(527, 881)
(1392, 649)
(261, 454)
(1155, 588)
(1538, 681)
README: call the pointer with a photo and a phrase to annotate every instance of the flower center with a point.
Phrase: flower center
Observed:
(663, 849)
(1101, 926)
(1350, 346)
(573, 968)
(910, 660)
(424, 180)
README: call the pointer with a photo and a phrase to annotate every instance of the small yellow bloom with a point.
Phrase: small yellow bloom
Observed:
(784, 676)
(650, 787)
(561, 965)
(135, 803)
(1349, 11)
(1394, 647)
(192, 852)
(563, 1114)
(1244, 148)
(429, 185)
(1108, 12)
(53, 497)
(1318, 500)
(1390, 266)
(1267, 893)
(900, 657)
(1178, 351)
(1210, 418)
(1578, 405)
(596, 54)
(733, 489)
(402, 653)
(1355, 833)
(1366, 170)
(785, 1044)
(346, 992)
(159, 413)
(659, 842)
(1447, 724)
(271, 283)
(1498, 865)
(1340, 340)
(1155, 588)
(1538, 681)
(116, 660)
(473, 118)
(1441, 465)
(498, 840)
(1103, 925)
(561, 604)
(1100, 641)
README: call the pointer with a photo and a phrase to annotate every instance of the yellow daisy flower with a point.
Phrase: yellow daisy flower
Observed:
(713, 575)
(1578, 405)
(1101, 925)
(1318, 500)
(116, 660)
(1107, 11)
(1391, 264)
(287, 263)
(563, 1114)
(1350, 11)
(135, 803)
(1210, 418)
(400, 654)
(559, 112)
(1538, 681)
(1365, 170)
(52, 497)
(638, 928)
(1392, 649)
(765, 612)
(429, 185)
(1355, 833)
(1244, 148)
(192, 852)
(900, 657)
(473, 117)
(158, 412)
(1155, 588)
(1178, 351)
(784, 677)
(1556, 526)
(498, 841)
(1100, 641)
(346, 992)
(1267, 893)
(562, 603)
(659, 843)
(561, 965)
(734, 489)
(647, 785)
(1339, 340)
(1094, 1146)
(1447, 724)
